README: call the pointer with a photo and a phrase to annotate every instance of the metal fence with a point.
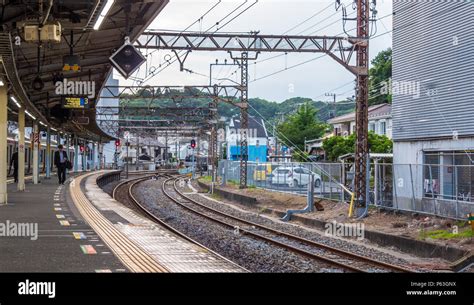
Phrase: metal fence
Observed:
(441, 190)
(289, 177)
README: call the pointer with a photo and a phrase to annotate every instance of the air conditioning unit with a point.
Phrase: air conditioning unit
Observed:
(51, 32)
(345, 133)
(31, 32)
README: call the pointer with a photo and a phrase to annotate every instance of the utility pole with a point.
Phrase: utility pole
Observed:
(137, 153)
(127, 144)
(212, 144)
(361, 71)
(244, 117)
(362, 95)
(166, 148)
(333, 113)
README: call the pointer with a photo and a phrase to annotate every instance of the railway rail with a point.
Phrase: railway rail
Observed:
(344, 260)
(164, 174)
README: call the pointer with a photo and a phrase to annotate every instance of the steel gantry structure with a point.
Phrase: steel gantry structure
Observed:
(154, 118)
(154, 115)
(341, 49)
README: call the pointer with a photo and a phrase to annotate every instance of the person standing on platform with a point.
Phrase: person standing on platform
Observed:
(14, 163)
(60, 160)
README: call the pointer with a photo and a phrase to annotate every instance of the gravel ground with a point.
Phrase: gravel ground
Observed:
(301, 232)
(390, 254)
(254, 255)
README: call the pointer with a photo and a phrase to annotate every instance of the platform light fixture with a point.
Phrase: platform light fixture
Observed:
(103, 13)
(41, 123)
(15, 101)
(30, 115)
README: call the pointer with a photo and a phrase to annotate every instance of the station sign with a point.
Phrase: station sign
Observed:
(73, 102)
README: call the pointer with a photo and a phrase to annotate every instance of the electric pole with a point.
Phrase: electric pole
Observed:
(333, 113)
(362, 96)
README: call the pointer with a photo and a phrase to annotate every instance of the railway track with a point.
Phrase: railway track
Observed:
(333, 256)
(344, 260)
(132, 183)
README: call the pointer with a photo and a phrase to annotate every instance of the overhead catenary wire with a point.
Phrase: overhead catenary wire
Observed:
(189, 26)
(307, 19)
(207, 30)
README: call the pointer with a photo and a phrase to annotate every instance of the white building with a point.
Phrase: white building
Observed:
(433, 128)
(257, 140)
(380, 121)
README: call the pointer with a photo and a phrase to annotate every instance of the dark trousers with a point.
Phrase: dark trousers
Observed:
(15, 174)
(62, 172)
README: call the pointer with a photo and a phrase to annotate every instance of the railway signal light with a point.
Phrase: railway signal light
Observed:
(81, 148)
(193, 143)
(117, 143)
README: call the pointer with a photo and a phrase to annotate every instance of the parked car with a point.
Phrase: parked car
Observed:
(262, 171)
(294, 176)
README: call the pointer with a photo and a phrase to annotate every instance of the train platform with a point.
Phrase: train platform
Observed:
(77, 227)
(42, 231)
(171, 252)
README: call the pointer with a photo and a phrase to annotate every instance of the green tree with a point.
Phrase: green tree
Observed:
(300, 126)
(379, 74)
(338, 146)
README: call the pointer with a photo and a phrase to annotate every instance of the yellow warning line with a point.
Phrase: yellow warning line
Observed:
(130, 254)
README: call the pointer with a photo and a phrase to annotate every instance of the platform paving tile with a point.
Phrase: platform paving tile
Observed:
(56, 249)
(168, 249)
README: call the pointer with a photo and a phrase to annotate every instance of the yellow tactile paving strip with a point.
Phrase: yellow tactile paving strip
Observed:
(173, 252)
(132, 256)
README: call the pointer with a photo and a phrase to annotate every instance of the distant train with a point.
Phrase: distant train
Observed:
(13, 146)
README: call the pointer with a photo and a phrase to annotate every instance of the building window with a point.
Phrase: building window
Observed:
(431, 174)
(383, 128)
(372, 127)
(449, 175)
(464, 174)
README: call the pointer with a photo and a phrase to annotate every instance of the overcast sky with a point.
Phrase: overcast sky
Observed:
(311, 80)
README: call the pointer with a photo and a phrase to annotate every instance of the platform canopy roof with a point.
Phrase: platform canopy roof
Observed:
(22, 62)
